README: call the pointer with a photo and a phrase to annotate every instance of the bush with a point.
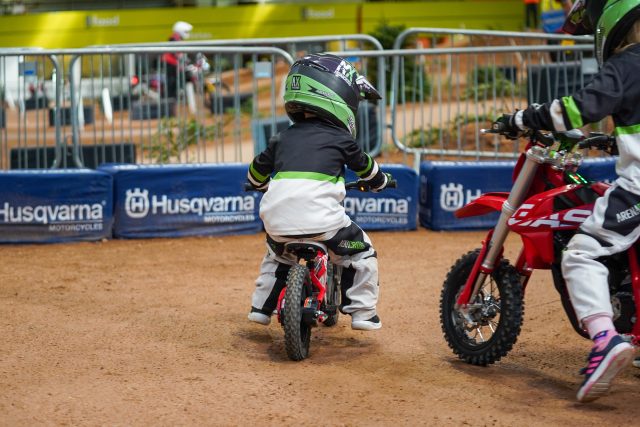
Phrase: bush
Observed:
(484, 82)
(173, 138)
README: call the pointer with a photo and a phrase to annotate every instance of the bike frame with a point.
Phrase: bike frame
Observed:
(526, 185)
(318, 274)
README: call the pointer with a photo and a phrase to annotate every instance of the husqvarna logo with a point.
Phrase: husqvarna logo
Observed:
(453, 196)
(136, 203)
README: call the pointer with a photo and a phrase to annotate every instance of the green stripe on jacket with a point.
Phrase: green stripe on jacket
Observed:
(627, 130)
(315, 176)
(575, 117)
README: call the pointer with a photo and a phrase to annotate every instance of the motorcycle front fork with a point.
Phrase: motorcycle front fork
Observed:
(493, 246)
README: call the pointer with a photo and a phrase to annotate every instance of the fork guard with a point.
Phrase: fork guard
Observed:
(486, 203)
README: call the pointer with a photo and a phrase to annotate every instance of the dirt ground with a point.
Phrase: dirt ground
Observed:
(154, 332)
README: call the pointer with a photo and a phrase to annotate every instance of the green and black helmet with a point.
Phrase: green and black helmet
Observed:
(327, 86)
(608, 20)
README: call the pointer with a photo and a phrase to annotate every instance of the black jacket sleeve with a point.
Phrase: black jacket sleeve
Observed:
(262, 165)
(599, 98)
(365, 166)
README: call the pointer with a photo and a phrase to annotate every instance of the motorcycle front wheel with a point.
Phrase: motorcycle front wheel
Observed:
(488, 328)
(297, 333)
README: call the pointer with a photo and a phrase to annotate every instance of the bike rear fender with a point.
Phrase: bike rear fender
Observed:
(488, 202)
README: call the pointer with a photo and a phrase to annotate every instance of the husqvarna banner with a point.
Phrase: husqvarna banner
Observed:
(182, 200)
(44, 206)
(390, 209)
(447, 186)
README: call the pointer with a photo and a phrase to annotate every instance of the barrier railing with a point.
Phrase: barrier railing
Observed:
(25, 98)
(203, 109)
(441, 98)
(371, 118)
(117, 105)
(428, 37)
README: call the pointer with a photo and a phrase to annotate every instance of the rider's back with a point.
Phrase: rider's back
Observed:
(306, 193)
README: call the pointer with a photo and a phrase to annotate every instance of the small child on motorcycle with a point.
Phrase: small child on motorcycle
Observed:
(614, 91)
(304, 196)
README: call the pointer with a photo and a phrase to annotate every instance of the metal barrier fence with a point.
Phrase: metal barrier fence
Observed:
(371, 117)
(124, 105)
(428, 37)
(27, 87)
(440, 99)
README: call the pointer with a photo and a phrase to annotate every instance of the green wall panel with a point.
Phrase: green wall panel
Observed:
(84, 28)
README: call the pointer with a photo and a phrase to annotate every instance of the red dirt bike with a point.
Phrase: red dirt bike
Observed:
(312, 292)
(482, 301)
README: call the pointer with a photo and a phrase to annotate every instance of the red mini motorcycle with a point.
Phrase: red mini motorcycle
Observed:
(312, 292)
(482, 301)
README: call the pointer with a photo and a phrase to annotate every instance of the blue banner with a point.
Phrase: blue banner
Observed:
(182, 200)
(63, 205)
(447, 186)
(390, 209)
(599, 169)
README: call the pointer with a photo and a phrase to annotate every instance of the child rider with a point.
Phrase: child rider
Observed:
(614, 91)
(302, 169)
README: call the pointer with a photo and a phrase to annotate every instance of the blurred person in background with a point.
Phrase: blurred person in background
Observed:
(181, 31)
(531, 13)
(552, 16)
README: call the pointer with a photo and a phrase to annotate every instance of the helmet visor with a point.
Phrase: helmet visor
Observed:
(578, 22)
(366, 89)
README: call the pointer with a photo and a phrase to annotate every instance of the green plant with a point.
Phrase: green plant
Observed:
(173, 138)
(463, 119)
(246, 107)
(488, 82)
(420, 138)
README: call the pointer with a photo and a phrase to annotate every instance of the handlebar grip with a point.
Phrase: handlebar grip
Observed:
(601, 142)
(363, 186)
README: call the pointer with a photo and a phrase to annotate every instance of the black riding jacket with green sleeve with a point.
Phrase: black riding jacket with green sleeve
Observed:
(614, 91)
(303, 167)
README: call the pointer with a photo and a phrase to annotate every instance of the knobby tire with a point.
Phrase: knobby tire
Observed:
(297, 334)
(507, 280)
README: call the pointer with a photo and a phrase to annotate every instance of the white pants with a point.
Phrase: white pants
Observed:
(359, 277)
(613, 227)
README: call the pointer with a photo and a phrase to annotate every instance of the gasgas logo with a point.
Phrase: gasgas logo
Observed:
(565, 219)
(139, 204)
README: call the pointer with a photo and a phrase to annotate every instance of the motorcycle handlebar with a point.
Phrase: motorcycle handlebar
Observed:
(599, 141)
(362, 185)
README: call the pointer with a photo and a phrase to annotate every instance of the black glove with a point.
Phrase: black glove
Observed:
(506, 125)
(389, 182)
